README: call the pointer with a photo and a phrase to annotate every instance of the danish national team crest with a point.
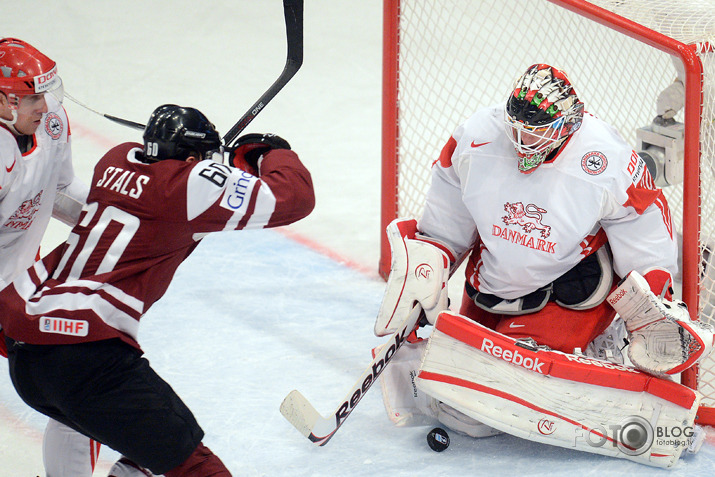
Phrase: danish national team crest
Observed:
(53, 125)
(529, 217)
(25, 214)
(594, 163)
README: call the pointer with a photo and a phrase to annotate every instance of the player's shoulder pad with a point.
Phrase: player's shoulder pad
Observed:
(9, 155)
(54, 123)
(483, 127)
(601, 155)
(209, 181)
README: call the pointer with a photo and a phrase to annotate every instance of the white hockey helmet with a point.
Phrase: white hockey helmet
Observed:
(542, 111)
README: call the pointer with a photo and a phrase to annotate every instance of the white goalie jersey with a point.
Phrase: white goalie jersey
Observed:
(526, 230)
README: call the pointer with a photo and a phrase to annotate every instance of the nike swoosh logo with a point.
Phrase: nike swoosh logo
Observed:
(514, 325)
(9, 169)
(480, 144)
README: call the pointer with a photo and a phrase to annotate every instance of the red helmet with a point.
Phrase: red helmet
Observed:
(24, 70)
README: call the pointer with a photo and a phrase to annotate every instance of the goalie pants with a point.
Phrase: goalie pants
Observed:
(559, 328)
(107, 391)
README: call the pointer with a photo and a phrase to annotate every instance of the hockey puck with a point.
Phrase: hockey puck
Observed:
(438, 439)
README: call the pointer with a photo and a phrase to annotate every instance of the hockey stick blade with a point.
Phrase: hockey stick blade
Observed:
(302, 414)
(293, 11)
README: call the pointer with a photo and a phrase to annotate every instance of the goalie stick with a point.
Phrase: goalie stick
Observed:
(299, 412)
(293, 12)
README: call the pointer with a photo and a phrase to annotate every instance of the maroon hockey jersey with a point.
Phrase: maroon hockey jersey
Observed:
(140, 222)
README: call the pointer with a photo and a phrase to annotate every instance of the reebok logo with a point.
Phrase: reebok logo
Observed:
(617, 297)
(474, 144)
(347, 406)
(512, 356)
(9, 169)
(600, 364)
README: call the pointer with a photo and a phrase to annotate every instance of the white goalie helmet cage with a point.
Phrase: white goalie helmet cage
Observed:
(543, 109)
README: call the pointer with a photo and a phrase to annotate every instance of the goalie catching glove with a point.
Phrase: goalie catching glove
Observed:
(419, 273)
(663, 338)
(250, 148)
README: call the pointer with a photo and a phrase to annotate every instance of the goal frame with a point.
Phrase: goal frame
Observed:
(692, 116)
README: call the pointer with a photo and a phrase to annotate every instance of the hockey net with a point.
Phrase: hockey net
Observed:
(444, 59)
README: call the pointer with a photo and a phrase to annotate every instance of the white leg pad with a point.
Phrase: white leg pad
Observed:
(406, 405)
(555, 398)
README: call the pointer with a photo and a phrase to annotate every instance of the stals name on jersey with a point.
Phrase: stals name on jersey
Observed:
(124, 182)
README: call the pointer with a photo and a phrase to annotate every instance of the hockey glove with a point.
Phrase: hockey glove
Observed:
(250, 147)
(663, 338)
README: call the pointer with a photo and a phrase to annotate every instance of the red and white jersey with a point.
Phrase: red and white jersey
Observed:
(526, 230)
(28, 187)
(140, 222)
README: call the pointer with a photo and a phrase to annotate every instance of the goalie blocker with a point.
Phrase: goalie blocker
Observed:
(419, 272)
(557, 398)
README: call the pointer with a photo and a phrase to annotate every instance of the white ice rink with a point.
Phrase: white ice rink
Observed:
(252, 315)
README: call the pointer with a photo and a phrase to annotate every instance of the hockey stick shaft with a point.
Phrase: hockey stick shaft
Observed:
(293, 11)
(303, 415)
(123, 122)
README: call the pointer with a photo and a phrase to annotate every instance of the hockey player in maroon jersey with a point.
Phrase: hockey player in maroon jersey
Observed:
(72, 320)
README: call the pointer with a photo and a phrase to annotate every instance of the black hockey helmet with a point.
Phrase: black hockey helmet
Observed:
(174, 132)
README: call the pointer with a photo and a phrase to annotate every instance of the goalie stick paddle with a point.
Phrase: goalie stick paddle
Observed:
(293, 11)
(299, 412)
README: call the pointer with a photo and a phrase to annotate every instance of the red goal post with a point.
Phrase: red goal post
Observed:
(444, 59)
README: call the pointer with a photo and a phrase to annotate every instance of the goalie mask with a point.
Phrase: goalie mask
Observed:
(175, 132)
(542, 111)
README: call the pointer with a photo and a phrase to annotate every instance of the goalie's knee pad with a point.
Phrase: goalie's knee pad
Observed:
(556, 398)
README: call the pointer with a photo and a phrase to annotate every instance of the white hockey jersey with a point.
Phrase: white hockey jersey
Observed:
(526, 230)
(29, 184)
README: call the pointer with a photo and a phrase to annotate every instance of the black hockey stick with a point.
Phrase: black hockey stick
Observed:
(293, 11)
(302, 414)
(123, 122)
